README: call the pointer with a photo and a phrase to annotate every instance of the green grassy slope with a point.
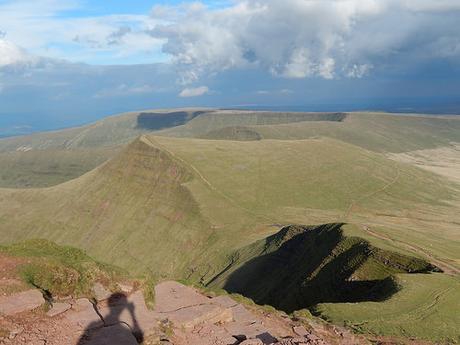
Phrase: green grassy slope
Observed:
(60, 270)
(41, 168)
(180, 207)
(163, 193)
(219, 119)
(48, 158)
(379, 132)
(132, 211)
(269, 175)
(374, 131)
(426, 307)
(45, 159)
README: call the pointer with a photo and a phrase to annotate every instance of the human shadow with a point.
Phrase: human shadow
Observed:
(117, 327)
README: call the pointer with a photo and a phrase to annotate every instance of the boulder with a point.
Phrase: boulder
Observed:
(83, 315)
(190, 317)
(21, 302)
(171, 296)
(58, 308)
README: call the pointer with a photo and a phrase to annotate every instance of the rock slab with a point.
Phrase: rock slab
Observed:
(21, 302)
(58, 308)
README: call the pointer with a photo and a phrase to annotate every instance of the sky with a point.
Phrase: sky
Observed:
(68, 62)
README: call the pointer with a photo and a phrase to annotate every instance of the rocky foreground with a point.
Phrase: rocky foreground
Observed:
(182, 315)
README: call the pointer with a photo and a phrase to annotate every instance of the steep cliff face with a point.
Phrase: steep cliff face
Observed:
(302, 266)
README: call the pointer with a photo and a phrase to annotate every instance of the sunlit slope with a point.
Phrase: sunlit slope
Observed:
(219, 119)
(269, 175)
(133, 211)
(426, 307)
(48, 158)
(163, 203)
(257, 184)
(379, 132)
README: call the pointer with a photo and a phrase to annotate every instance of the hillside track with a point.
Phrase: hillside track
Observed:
(149, 142)
(446, 267)
(378, 191)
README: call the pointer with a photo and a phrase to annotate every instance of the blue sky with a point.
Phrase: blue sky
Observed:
(77, 60)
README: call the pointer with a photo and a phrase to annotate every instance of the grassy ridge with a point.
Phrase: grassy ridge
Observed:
(426, 307)
(162, 195)
(219, 119)
(302, 266)
(380, 132)
(26, 160)
(133, 211)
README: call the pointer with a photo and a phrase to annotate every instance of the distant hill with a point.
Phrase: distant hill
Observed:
(380, 132)
(48, 158)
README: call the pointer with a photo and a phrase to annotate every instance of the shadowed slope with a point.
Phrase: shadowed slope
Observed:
(302, 266)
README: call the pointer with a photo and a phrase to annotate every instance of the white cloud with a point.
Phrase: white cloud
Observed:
(306, 38)
(11, 54)
(40, 27)
(125, 90)
(194, 92)
(275, 92)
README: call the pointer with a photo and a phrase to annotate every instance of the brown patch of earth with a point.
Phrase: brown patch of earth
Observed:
(10, 281)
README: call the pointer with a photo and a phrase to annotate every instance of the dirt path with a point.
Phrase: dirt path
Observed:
(364, 197)
(447, 268)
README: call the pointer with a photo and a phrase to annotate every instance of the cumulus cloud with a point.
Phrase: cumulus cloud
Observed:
(306, 38)
(11, 54)
(194, 92)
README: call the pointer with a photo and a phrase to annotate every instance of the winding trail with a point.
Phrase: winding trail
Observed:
(447, 268)
(149, 142)
(364, 197)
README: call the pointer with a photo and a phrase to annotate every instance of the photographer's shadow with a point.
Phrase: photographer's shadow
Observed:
(116, 330)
